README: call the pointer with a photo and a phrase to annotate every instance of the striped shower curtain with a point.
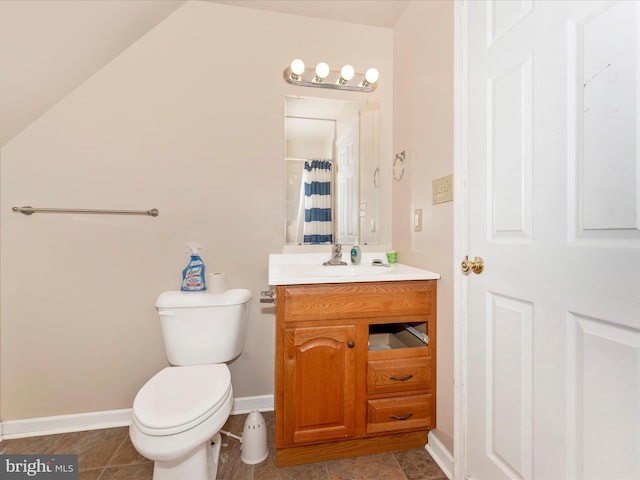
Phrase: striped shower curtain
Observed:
(318, 225)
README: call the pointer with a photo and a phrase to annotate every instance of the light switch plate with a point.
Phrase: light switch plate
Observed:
(417, 220)
(363, 209)
(442, 189)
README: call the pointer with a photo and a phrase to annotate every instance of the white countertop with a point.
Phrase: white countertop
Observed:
(303, 268)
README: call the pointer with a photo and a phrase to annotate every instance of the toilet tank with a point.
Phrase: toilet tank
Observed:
(202, 328)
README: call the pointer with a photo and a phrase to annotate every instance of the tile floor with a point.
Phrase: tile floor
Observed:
(108, 455)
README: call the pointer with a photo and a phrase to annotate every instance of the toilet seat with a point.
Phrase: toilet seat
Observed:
(179, 398)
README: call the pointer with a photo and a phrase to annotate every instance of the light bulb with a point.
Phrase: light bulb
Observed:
(372, 75)
(347, 72)
(297, 67)
(322, 70)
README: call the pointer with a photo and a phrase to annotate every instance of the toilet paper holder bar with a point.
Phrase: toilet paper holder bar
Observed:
(268, 296)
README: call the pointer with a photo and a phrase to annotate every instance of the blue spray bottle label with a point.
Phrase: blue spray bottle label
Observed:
(193, 274)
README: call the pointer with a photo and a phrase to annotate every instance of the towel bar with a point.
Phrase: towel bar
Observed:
(29, 210)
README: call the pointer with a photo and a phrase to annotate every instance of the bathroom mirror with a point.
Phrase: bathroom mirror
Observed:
(331, 171)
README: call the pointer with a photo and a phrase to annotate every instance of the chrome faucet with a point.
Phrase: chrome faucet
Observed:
(336, 256)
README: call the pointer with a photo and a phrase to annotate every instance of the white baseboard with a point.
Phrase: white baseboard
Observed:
(440, 453)
(76, 422)
(262, 403)
(33, 427)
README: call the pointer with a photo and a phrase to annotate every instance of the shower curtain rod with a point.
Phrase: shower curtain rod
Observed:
(29, 210)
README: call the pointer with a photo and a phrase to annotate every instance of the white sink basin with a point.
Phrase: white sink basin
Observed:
(303, 268)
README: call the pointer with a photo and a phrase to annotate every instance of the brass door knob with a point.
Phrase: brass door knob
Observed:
(476, 265)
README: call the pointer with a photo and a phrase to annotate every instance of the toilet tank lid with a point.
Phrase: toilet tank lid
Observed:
(179, 299)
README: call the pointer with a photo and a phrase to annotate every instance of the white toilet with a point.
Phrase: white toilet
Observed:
(178, 413)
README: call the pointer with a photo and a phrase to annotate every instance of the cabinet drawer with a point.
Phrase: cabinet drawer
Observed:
(356, 300)
(399, 413)
(398, 375)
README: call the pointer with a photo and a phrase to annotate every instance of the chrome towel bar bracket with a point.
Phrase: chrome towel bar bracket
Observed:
(29, 210)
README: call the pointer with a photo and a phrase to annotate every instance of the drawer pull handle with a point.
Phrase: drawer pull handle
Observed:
(351, 344)
(403, 417)
(401, 379)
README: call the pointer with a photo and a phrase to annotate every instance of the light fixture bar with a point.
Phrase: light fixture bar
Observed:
(346, 79)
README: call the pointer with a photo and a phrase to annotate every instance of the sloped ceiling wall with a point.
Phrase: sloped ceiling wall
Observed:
(49, 47)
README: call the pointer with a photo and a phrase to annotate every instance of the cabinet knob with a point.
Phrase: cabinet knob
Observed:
(351, 344)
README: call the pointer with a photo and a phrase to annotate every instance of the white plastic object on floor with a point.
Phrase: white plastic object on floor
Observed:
(254, 439)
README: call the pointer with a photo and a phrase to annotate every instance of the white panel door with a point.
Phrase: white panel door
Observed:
(551, 382)
(347, 200)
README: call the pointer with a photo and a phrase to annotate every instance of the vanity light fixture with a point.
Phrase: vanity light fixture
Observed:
(344, 79)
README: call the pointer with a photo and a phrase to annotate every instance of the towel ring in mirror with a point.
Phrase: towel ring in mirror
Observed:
(398, 166)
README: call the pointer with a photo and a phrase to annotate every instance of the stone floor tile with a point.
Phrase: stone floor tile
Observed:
(382, 466)
(30, 445)
(141, 471)
(418, 464)
(94, 448)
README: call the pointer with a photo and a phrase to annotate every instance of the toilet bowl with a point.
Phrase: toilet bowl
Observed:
(178, 413)
(175, 416)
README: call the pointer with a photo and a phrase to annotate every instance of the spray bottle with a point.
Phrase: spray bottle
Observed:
(193, 273)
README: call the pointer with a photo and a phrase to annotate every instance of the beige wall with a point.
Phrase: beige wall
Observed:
(188, 120)
(423, 127)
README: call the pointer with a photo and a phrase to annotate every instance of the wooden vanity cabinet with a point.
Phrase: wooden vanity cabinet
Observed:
(336, 397)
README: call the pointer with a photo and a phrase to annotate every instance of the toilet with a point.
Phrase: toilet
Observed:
(178, 413)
